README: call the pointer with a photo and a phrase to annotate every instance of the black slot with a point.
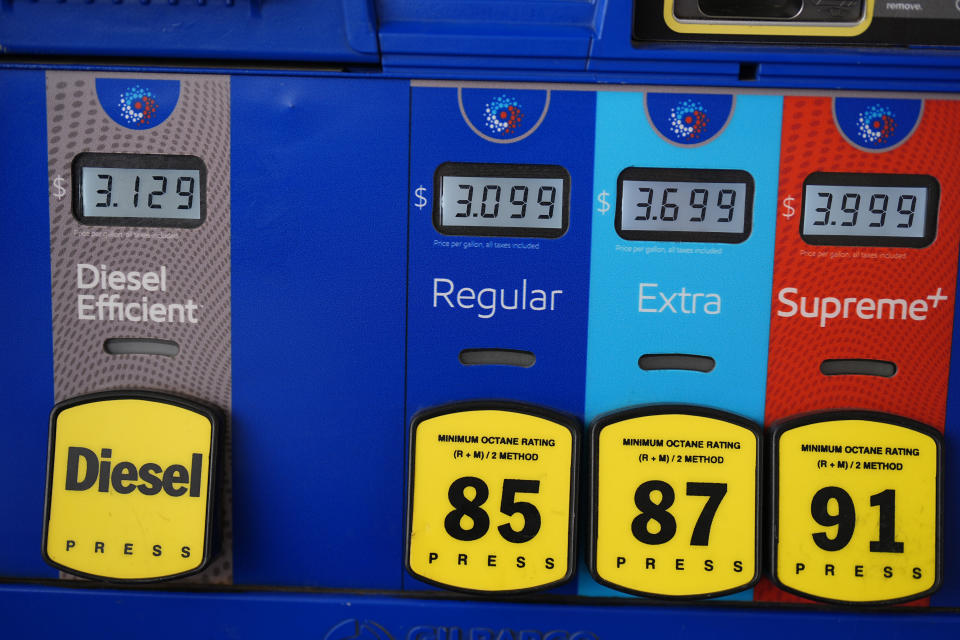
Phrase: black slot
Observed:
(503, 357)
(676, 361)
(858, 367)
(751, 9)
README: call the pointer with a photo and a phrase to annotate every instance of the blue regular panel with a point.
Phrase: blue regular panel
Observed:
(26, 377)
(468, 290)
(454, 125)
(319, 258)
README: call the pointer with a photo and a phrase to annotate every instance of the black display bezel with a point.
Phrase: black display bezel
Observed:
(654, 174)
(136, 161)
(886, 180)
(497, 170)
(649, 26)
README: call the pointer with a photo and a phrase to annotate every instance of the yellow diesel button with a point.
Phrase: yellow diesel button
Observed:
(675, 502)
(856, 507)
(130, 486)
(492, 497)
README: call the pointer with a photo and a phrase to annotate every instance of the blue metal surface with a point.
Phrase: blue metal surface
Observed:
(318, 303)
(949, 593)
(319, 267)
(83, 613)
(330, 31)
(26, 376)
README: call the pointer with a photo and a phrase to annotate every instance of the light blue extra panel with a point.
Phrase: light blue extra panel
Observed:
(730, 322)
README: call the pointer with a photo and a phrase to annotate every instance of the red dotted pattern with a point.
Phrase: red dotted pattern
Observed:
(811, 142)
(921, 350)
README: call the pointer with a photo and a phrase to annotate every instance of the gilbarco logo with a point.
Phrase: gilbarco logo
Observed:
(130, 486)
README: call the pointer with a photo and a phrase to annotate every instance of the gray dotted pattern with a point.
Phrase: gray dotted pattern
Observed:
(197, 261)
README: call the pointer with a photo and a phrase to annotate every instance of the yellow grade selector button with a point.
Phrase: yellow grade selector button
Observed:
(492, 497)
(675, 502)
(130, 486)
(856, 510)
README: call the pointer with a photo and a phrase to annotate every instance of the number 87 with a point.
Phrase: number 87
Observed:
(657, 511)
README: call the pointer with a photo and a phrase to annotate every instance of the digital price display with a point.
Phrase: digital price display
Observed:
(856, 508)
(870, 209)
(519, 200)
(675, 502)
(492, 497)
(140, 190)
(684, 205)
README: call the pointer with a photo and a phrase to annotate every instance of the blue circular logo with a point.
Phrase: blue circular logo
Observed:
(688, 119)
(138, 103)
(502, 115)
(876, 124)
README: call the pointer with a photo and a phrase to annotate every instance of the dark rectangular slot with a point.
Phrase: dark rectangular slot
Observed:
(503, 357)
(751, 9)
(141, 346)
(858, 367)
(676, 361)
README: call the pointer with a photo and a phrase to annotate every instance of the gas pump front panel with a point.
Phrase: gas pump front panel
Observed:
(576, 339)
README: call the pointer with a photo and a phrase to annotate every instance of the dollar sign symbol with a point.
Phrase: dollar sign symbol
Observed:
(58, 185)
(788, 203)
(421, 200)
(604, 203)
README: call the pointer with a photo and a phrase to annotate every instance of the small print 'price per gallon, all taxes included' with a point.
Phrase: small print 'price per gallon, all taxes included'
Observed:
(675, 505)
(856, 508)
(491, 497)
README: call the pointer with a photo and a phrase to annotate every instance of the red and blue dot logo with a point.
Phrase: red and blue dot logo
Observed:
(688, 119)
(875, 124)
(503, 115)
(138, 104)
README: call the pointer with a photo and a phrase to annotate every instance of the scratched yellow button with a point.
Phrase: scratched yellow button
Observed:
(856, 508)
(492, 497)
(675, 509)
(130, 487)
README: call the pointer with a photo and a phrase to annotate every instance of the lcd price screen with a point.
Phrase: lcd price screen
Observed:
(139, 189)
(501, 199)
(888, 210)
(685, 205)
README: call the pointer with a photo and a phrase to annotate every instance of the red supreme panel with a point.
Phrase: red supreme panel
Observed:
(862, 301)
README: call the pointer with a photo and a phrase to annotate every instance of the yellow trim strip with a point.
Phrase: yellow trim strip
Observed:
(763, 29)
